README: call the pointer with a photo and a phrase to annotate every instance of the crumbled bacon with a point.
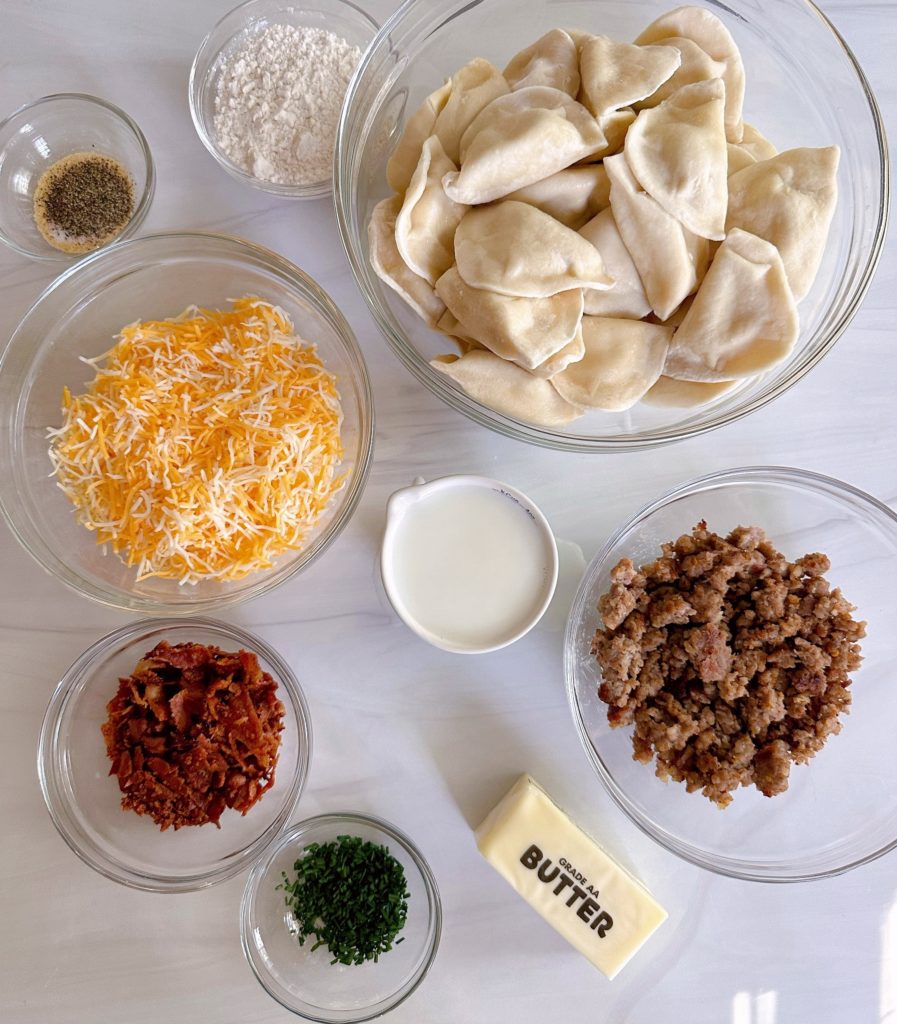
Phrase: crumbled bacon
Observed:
(193, 731)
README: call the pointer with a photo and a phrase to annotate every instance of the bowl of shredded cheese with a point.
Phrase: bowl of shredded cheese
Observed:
(187, 421)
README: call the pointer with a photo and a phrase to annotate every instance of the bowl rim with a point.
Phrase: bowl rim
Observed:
(195, 82)
(146, 197)
(718, 864)
(53, 760)
(338, 818)
(419, 491)
(544, 437)
(352, 494)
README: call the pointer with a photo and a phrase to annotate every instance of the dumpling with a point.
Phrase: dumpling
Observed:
(390, 267)
(626, 297)
(519, 139)
(678, 316)
(706, 29)
(573, 196)
(578, 35)
(527, 331)
(501, 385)
(572, 352)
(649, 232)
(677, 152)
(685, 394)
(446, 112)
(695, 66)
(419, 127)
(538, 105)
(425, 226)
(755, 143)
(623, 358)
(789, 200)
(737, 158)
(472, 88)
(743, 319)
(449, 324)
(551, 60)
(601, 195)
(615, 125)
(514, 249)
(452, 327)
(753, 147)
(616, 74)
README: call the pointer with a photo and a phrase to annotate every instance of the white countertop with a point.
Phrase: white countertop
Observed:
(425, 739)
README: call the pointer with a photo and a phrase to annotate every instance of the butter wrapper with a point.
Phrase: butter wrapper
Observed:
(596, 905)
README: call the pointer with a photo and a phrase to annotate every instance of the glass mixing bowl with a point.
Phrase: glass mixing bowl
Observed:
(76, 318)
(84, 801)
(341, 17)
(304, 981)
(38, 134)
(812, 95)
(840, 809)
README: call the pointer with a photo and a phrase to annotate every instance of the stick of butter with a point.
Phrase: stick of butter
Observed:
(594, 903)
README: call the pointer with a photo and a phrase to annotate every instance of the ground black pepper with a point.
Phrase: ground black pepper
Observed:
(83, 201)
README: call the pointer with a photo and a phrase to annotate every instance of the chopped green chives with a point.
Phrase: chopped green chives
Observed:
(350, 895)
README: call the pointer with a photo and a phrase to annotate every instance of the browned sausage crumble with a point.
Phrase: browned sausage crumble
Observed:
(730, 661)
(192, 731)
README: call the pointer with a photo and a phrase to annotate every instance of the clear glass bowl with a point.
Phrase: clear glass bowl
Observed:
(40, 133)
(341, 17)
(305, 982)
(77, 316)
(840, 810)
(812, 95)
(84, 801)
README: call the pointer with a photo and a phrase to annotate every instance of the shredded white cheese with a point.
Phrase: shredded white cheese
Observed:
(206, 445)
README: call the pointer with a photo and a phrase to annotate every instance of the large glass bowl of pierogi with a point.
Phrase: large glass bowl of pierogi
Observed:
(600, 226)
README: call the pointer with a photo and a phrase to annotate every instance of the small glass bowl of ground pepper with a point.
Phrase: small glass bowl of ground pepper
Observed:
(341, 918)
(76, 174)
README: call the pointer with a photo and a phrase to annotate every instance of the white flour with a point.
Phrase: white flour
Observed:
(278, 102)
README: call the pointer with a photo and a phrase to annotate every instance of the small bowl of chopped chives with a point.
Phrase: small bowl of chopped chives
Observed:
(76, 174)
(341, 918)
(266, 90)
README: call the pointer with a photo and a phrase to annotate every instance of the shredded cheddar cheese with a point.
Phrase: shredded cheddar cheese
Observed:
(205, 446)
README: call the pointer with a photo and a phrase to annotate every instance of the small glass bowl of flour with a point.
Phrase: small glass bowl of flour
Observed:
(267, 87)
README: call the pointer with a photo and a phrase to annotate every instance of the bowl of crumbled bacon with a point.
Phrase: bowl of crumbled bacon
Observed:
(186, 422)
(173, 752)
